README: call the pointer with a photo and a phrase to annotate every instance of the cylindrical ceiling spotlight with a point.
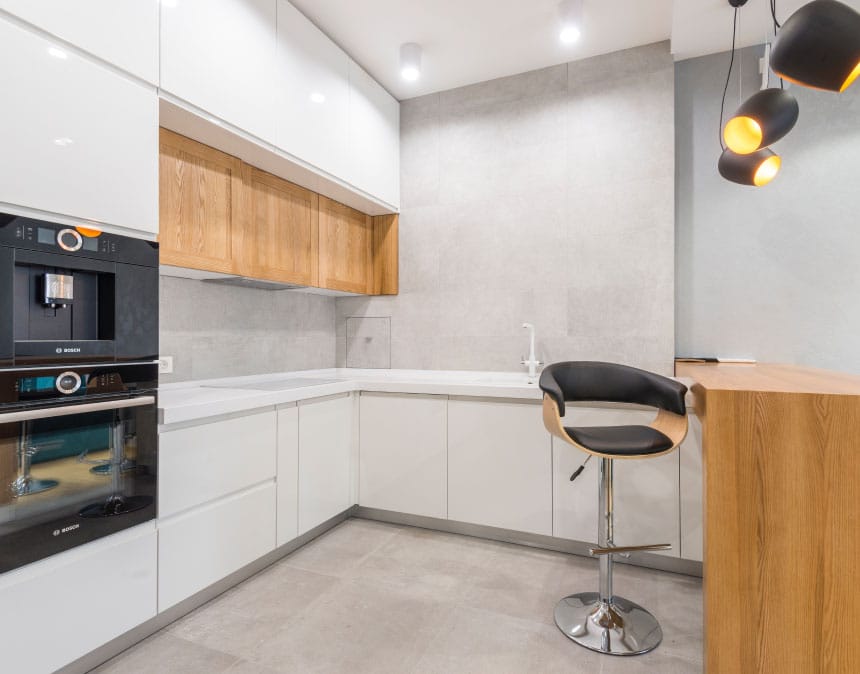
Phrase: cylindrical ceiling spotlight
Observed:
(756, 169)
(819, 46)
(761, 120)
(570, 13)
(410, 61)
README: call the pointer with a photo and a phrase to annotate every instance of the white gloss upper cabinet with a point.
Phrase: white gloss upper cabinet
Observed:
(80, 140)
(499, 465)
(121, 32)
(220, 55)
(403, 453)
(374, 137)
(313, 90)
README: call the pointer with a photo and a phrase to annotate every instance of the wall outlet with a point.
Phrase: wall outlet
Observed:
(165, 365)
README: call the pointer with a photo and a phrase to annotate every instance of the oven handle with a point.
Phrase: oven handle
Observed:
(68, 410)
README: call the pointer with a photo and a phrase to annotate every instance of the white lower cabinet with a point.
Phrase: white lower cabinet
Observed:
(325, 449)
(403, 453)
(646, 490)
(499, 465)
(206, 462)
(57, 610)
(206, 544)
(692, 531)
(288, 474)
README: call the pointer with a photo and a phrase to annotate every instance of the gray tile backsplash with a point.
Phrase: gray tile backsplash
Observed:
(368, 342)
(220, 331)
(545, 197)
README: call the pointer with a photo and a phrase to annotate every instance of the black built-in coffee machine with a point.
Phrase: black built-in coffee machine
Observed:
(78, 386)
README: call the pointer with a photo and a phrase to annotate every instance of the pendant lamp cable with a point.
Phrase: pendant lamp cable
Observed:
(776, 27)
(728, 76)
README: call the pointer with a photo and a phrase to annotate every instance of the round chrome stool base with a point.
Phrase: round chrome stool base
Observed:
(616, 628)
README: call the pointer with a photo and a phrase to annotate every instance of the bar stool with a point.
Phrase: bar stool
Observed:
(602, 621)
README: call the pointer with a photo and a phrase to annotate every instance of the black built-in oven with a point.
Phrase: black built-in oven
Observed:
(78, 386)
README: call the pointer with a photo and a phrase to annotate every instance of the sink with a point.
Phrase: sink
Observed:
(276, 384)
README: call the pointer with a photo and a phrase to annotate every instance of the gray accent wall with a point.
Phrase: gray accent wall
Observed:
(545, 197)
(770, 273)
(223, 331)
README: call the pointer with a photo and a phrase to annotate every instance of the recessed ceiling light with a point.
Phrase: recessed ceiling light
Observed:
(570, 13)
(63, 142)
(57, 53)
(317, 97)
(410, 61)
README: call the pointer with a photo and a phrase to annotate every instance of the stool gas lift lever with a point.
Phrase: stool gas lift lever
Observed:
(579, 470)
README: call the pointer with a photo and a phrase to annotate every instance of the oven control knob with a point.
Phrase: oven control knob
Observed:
(68, 383)
(70, 240)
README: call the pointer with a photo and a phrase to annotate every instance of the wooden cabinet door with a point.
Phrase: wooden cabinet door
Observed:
(279, 236)
(198, 204)
(346, 248)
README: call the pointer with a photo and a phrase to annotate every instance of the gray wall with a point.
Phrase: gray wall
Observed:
(771, 273)
(222, 331)
(545, 197)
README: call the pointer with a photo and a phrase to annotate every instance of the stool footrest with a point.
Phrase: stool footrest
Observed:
(624, 549)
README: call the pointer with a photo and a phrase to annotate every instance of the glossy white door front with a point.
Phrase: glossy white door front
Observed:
(61, 608)
(78, 139)
(313, 94)
(122, 32)
(325, 448)
(220, 56)
(374, 137)
(403, 453)
(288, 474)
(499, 465)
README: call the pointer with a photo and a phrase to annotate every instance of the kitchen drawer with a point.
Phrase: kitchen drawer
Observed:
(203, 463)
(59, 609)
(202, 546)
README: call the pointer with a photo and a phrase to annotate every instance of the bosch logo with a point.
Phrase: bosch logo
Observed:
(59, 350)
(67, 529)
(72, 349)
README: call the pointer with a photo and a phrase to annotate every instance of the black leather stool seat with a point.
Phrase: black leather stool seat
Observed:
(620, 440)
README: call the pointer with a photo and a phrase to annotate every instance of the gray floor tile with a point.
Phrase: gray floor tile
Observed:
(342, 548)
(359, 626)
(372, 597)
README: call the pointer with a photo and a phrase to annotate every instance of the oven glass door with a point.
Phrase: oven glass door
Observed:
(71, 474)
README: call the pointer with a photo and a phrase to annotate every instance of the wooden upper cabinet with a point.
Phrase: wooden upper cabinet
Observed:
(198, 204)
(279, 236)
(346, 248)
(218, 214)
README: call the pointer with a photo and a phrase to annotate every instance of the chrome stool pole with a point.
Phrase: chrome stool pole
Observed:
(601, 621)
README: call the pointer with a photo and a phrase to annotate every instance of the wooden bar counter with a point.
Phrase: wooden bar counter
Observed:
(781, 455)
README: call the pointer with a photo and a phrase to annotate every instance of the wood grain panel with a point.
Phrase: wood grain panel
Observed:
(386, 269)
(782, 521)
(346, 248)
(279, 236)
(199, 192)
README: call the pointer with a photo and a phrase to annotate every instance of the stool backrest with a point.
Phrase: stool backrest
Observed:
(593, 381)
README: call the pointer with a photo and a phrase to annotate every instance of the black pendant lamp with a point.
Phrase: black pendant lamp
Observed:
(756, 169)
(761, 120)
(819, 46)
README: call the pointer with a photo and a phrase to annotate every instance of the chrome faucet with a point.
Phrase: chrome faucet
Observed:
(532, 362)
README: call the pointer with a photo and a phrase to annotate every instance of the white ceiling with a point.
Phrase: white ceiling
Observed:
(468, 41)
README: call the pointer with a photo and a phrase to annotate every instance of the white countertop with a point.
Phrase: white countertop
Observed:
(189, 401)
